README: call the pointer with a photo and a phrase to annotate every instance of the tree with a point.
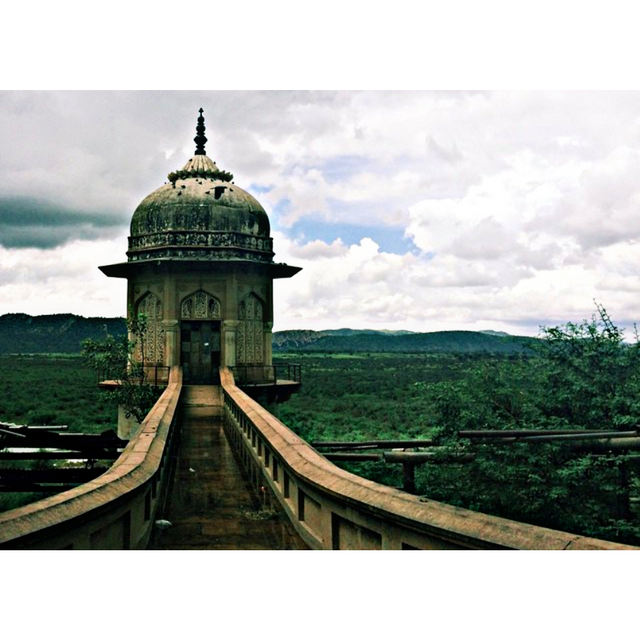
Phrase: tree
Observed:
(583, 376)
(115, 358)
(593, 375)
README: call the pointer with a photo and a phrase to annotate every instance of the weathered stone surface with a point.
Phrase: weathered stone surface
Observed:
(331, 508)
(213, 505)
(201, 237)
(198, 210)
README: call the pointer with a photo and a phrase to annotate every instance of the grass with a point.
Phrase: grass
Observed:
(349, 397)
(365, 396)
(355, 397)
(396, 396)
(54, 390)
(51, 389)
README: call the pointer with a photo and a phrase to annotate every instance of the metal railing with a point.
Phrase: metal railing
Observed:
(154, 374)
(248, 374)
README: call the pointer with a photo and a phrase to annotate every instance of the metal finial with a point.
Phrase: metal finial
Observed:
(200, 139)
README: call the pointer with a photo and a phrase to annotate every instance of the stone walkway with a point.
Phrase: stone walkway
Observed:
(212, 504)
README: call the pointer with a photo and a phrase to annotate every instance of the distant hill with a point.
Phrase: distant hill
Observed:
(353, 332)
(59, 333)
(297, 339)
(380, 341)
(64, 333)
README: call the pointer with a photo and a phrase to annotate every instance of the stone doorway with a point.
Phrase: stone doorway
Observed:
(200, 351)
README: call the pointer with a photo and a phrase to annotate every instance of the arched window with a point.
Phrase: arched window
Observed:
(153, 340)
(250, 336)
(200, 306)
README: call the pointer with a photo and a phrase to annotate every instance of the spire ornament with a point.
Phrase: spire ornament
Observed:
(200, 139)
(200, 165)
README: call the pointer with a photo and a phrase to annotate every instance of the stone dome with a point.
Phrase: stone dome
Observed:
(200, 214)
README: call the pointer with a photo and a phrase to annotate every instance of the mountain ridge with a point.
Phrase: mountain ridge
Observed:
(410, 342)
(55, 333)
(21, 333)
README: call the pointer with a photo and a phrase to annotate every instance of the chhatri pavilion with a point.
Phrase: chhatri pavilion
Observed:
(200, 267)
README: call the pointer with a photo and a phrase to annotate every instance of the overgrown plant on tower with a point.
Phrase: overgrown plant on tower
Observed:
(123, 359)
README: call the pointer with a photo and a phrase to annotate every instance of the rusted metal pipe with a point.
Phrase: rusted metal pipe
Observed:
(373, 444)
(524, 433)
(352, 457)
(353, 447)
(607, 444)
(418, 457)
(602, 436)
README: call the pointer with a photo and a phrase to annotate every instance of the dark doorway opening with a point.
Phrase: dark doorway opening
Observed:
(200, 351)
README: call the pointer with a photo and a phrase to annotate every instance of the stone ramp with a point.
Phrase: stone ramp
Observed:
(202, 395)
(212, 504)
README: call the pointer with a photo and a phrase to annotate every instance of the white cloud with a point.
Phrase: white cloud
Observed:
(63, 280)
(524, 205)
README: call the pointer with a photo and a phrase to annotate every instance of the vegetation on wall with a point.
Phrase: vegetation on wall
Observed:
(114, 358)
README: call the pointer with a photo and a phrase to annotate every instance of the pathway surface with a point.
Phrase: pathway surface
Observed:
(212, 503)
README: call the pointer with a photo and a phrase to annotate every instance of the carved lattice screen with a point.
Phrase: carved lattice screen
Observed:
(200, 306)
(250, 336)
(151, 306)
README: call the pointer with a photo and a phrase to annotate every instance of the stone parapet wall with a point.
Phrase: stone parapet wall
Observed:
(333, 509)
(116, 510)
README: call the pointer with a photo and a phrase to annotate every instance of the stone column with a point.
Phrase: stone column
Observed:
(268, 343)
(172, 342)
(229, 328)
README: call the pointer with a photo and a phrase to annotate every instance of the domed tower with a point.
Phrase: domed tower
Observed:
(200, 267)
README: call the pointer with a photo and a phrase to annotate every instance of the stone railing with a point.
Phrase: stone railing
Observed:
(116, 510)
(333, 509)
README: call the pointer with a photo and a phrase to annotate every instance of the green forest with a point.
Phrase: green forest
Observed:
(51, 390)
(65, 333)
(580, 376)
(57, 389)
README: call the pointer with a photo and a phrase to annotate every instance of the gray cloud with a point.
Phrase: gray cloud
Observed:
(34, 223)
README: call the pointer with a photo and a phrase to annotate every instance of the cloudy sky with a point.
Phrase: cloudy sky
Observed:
(417, 210)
